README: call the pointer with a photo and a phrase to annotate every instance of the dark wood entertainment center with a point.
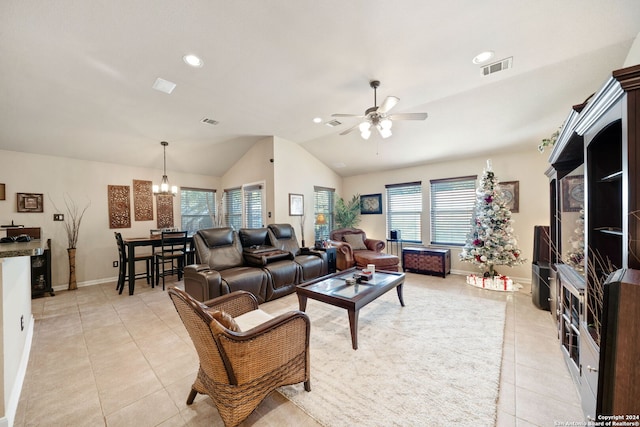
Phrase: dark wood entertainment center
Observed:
(595, 246)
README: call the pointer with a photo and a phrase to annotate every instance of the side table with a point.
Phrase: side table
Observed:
(332, 256)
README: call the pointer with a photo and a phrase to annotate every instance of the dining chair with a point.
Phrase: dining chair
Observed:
(123, 262)
(173, 246)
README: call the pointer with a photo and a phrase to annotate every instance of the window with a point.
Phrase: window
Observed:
(234, 207)
(197, 208)
(323, 212)
(452, 205)
(404, 210)
(253, 206)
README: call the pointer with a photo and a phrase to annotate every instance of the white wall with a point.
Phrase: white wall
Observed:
(297, 171)
(527, 167)
(254, 167)
(85, 182)
(633, 57)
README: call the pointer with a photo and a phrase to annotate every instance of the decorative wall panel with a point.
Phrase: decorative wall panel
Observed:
(165, 211)
(142, 200)
(119, 206)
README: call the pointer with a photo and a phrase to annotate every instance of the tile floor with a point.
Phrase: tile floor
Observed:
(99, 358)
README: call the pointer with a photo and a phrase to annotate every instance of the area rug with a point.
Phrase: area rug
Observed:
(434, 362)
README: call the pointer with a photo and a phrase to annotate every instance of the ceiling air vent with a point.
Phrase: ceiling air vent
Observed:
(333, 123)
(502, 65)
(209, 121)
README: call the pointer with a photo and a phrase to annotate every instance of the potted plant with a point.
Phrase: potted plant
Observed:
(347, 213)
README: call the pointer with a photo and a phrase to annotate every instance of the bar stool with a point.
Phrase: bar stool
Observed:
(124, 262)
(172, 250)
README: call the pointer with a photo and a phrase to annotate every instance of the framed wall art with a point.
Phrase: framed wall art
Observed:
(371, 204)
(3, 194)
(572, 193)
(119, 206)
(142, 200)
(29, 202)
(164, 206)
(511, 194)
(296, 204)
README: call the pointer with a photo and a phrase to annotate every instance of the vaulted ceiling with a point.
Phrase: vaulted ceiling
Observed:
(76, 76)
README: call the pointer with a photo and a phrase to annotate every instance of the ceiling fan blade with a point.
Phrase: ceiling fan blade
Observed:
(351, 129)
(409, 116)
(388, 103)
(347, 115)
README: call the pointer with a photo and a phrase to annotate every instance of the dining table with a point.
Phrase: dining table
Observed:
(154, 241)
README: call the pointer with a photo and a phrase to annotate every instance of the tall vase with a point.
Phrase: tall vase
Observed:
(73, 285)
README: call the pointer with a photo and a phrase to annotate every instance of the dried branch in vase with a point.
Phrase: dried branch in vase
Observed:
(73, 219)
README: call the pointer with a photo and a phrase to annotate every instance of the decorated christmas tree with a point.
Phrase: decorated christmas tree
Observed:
(491, 241)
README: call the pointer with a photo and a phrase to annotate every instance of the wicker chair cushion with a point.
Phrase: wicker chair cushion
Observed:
(251, 319)
(356, 241)
(225, 320)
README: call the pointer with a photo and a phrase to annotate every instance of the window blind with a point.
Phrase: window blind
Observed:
(404, 210)
(234, 207)
(452, 205)
(253, 206)
(323, 212)
(197, 207)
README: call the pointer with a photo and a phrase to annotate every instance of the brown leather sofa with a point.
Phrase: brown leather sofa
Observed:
(353, 248)
(227, 261)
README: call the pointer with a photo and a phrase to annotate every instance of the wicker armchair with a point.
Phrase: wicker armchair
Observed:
(239, 369)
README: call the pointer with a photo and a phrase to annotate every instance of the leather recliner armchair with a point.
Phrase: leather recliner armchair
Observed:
(314, 263)
(222, 268)
(353, 248)
(283, 271)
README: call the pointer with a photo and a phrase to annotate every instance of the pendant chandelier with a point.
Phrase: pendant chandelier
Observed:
(164, 189)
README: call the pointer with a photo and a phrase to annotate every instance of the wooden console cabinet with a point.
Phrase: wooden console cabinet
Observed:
(595, 189)
(427, 261)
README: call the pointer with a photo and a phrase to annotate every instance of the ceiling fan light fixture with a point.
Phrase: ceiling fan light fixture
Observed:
(364, 126)
(384, 132)
(365, 134)
(386, 124)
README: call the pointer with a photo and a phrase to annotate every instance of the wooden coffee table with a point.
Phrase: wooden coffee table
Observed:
(334, 290)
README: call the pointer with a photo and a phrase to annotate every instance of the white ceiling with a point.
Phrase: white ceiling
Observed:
(76, 76)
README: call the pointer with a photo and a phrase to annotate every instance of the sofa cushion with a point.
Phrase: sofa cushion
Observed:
(281, 231)
(252, 236)
(356, 241)
(215, 237)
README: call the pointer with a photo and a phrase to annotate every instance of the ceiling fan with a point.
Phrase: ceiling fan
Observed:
(378, 117)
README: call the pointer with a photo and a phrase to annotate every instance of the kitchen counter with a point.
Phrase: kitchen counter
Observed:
(16, 249)
(16, 321)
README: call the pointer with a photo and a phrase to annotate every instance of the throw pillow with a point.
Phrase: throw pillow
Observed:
(225, 320)
(356, 241)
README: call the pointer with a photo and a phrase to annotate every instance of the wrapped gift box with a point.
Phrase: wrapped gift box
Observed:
(496, 283)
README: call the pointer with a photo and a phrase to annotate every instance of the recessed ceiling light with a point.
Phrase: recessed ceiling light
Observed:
(483, 57)
(317, 120)
(193, 61)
